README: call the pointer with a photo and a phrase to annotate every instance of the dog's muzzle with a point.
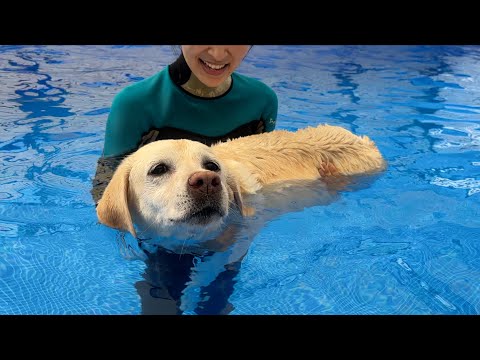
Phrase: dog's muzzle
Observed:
(205, 189)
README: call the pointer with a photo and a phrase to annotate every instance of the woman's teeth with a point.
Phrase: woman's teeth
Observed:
(213, 66)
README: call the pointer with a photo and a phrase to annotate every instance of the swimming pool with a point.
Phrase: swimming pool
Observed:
(407, 242)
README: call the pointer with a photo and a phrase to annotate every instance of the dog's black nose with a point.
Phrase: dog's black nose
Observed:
(204, 182)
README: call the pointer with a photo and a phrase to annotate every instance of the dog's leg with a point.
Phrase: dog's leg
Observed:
(208, 270)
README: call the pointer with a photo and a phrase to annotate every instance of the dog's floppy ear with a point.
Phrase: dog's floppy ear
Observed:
(237, 197)
(112, 209)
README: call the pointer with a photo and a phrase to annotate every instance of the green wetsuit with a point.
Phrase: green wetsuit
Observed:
(161, 105)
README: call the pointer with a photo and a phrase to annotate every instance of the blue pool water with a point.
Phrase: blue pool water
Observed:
(406, 242)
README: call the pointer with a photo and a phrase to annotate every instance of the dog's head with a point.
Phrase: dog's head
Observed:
(168, 184)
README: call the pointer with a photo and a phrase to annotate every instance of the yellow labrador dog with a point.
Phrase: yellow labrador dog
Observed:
(183, 188)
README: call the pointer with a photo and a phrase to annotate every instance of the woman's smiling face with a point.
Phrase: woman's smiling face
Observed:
(213, 64)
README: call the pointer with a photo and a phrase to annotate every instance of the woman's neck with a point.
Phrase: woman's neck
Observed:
(196, 87)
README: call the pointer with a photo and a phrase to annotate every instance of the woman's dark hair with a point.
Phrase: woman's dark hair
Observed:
(179, 70)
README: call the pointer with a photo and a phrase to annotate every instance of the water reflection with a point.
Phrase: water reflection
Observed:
(44, 101)
(36, 102)
(41, 98)
(167, 277)
(202, 282)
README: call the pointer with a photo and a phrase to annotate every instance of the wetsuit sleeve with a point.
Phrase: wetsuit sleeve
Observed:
(125, 125)
(106, 166)
(270, 113)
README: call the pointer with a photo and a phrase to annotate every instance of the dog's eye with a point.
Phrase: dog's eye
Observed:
(210, 165)
(159, 169)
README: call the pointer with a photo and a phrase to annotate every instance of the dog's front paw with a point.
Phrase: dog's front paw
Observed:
(248, 211)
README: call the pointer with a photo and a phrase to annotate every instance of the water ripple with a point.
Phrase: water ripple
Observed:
(470, 184)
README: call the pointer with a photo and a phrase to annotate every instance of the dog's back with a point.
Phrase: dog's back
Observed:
(309, 153)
